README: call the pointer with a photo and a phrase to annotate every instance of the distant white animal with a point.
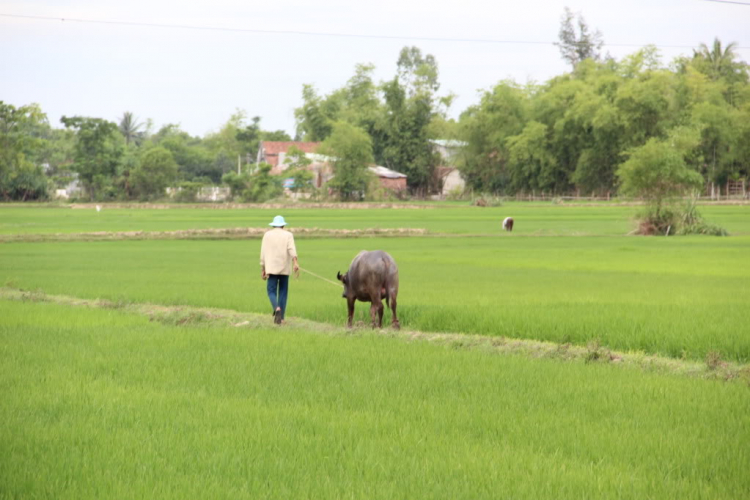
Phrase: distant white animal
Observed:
(508, 224)
(98, 208)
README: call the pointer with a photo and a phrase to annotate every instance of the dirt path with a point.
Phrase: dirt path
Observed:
(593, 353)
(260, 206)
(206, 234)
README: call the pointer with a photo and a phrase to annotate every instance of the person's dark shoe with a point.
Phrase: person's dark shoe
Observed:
(277, 316)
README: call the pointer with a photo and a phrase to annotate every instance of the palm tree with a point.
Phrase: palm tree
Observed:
(721, 62)
(129, 128)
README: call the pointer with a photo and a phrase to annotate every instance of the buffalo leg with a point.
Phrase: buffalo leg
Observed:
(376, 310)
(350, 306)
(394, 320)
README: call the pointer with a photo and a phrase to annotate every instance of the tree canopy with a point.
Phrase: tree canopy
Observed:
(596, 129)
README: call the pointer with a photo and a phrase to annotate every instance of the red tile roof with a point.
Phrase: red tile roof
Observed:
(270, 150)
(274, 147)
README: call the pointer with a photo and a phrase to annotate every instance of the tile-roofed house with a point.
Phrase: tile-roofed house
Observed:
(389, 179)
(274, 152)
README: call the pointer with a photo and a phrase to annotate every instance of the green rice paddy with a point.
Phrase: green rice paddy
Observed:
(531, 219)
(103, 403)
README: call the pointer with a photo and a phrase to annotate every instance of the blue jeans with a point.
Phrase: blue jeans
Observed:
(278, 282)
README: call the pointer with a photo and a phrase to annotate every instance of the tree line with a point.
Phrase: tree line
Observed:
(117, 161)
(601, 127)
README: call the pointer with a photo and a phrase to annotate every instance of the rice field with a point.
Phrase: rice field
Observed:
(104, 402)
(681, 297)
(541, 219)
(99, 403)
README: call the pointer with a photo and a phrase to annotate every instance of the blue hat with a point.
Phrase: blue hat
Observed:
(278, 221)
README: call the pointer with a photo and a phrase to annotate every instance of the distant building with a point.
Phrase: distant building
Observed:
(71, 190)
(274, 153)
(448, 176)
(389, 179)
(204, 193)
(449, 179)
(448, 149)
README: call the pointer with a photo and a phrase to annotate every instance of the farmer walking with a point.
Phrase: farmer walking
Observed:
(278, 257)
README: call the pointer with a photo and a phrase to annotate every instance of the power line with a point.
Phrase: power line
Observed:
(727, 1)
(322, 34)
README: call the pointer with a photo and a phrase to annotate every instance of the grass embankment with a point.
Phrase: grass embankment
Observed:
(683, 297)
(100, 403)
(712, 368)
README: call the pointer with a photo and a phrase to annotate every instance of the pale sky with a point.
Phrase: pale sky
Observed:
(198, 78)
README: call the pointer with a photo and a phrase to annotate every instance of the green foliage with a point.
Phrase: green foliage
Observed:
(131, 129)
(258, 187)
(316, 116)
(20, 178)
(657, 171)
(296, 158)
(720, 63)
(157, 170)
(400, 116)
(351, 151)
(27, 182)
(303, 180)
(297, 167)
(577, 46)
(418, 73)
(406, 147)
(530, 161)
(225, 146)
(569, 134)
(501, 113)
(98, 151)
(598, 114)
(188, 192)
(194, 159)
(250, 137)
(692, 222)
(237, 183)
(721, 128)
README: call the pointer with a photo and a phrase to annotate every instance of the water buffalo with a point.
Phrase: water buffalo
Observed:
(372, 276)
(508, 224)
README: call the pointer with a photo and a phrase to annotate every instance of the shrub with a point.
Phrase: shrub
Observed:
(187, 192)
(671, 220)
(258, 187)
(691, 221)
(457, 194)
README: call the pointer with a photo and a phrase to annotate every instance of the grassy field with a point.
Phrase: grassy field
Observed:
(107, 403)
(104, 404)
(531, 219)
(449, 220)
(682, 297)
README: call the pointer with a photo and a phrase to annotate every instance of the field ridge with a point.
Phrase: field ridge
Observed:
(714, 368)
(211, 233)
